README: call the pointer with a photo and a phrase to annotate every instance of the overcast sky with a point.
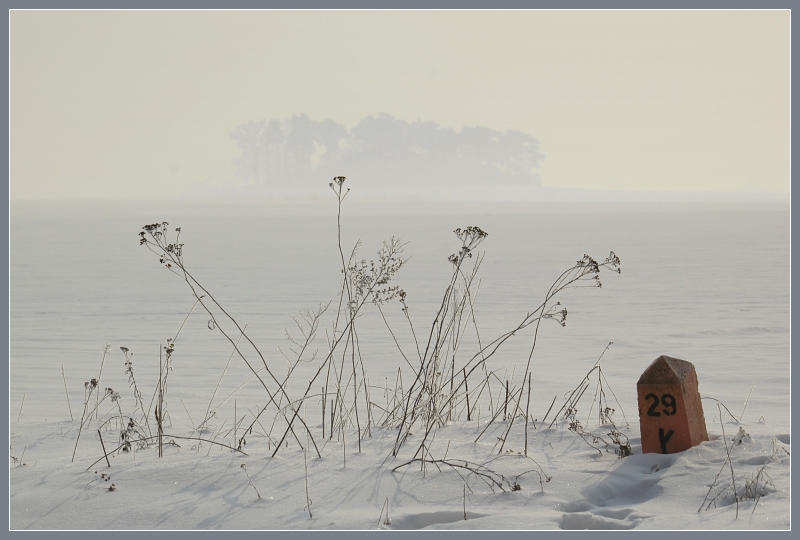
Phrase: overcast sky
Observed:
(140, 104)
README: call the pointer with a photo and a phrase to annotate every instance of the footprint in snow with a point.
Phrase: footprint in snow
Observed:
(607, 503)
(426, 519)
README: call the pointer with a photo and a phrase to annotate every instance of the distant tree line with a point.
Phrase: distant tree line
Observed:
(381, 151)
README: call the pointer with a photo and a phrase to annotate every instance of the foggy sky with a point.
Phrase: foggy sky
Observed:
(141, 104)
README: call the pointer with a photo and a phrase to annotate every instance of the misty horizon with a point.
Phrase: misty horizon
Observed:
(390, 159)
(119, 105)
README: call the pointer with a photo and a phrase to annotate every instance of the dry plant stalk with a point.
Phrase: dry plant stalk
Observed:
(250, 480)
(66, 392)
(444, 382)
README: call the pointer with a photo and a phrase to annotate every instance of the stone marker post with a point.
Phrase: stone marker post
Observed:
(670, 413)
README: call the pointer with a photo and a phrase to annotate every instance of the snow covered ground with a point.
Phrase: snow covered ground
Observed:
(195, 486)
(706, 284)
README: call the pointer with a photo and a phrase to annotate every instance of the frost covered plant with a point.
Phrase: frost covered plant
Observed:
(740, 436)
(113, 394)
(368, 280)
(101, 477)
(750, 487)
(439, 389)
(91, 388)
(385, 507)
(481, 471)
(106, 350)
(362, 282)
(131, 435)
(137, 395)
(250, 480)
(18, 460)
(115, 398)
(437, 386)
(158, 238)
(160, 414)
(613, 440)
(557, 314)
(470, 238)
(756, 485)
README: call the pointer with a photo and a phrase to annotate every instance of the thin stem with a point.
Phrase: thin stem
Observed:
(65, 392)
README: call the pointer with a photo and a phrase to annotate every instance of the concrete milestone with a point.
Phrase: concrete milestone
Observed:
(670, 412)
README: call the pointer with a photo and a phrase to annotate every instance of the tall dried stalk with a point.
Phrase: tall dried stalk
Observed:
(444, 383)
(156, 237)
